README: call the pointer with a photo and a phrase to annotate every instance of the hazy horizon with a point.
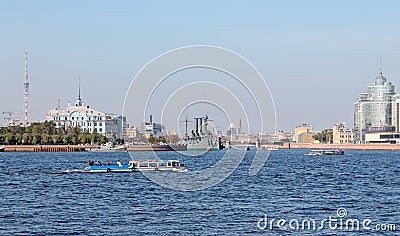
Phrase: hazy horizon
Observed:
(316, 57)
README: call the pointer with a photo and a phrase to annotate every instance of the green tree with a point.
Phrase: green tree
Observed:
(152, 140)
(65, 139)
(325, 136)
(18, 138)
(102, 139)
(36, 139)
(142, 139)
(82, 138)
(45, 138)
(25, 139)
(9, 138)
(47, 133)
(54, 138)
(162, 139)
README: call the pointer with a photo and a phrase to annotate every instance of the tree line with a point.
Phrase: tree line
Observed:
(47, 133)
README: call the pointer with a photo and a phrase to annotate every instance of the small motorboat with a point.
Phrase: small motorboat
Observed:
(108, 147)
(323, 152)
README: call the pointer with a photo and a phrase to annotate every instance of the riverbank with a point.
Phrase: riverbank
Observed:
(47, 148)
(383, 146)
(82, 148)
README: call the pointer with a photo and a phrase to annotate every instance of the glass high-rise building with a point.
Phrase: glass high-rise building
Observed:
(373, 108)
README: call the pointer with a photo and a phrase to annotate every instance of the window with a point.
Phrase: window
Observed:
(153, 164)
(143, 164)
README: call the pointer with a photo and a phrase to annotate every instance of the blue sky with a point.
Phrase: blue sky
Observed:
(316, 56)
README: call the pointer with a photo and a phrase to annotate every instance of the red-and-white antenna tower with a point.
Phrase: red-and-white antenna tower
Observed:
(26, 85)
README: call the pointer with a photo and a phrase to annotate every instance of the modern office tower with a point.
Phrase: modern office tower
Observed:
(373, 108)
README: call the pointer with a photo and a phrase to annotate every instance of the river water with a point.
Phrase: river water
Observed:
(291, 187)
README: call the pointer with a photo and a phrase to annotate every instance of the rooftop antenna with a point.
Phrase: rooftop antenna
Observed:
(380, 65)
(186, 121)
(58, 104)
(26, 86)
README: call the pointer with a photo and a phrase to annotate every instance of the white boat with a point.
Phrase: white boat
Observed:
(138, 166)
(108, 147)
(323, 152)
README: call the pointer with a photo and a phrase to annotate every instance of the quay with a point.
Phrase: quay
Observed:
(47, 148)
(353, 146)
(82, 148)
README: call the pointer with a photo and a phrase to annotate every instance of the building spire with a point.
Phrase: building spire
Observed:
(79, 100)
(79, 88)
(380, 65)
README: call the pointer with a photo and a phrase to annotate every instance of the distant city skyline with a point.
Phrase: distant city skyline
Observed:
(316, 57)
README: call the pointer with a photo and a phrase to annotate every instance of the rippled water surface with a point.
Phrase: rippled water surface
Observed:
(290, 186)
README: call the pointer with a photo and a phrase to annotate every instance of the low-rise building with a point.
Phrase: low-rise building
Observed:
(393, 138)
(305, 138)
(382, 134)
(152, 129)
(304, 134)
(279, 136)
(341, 134)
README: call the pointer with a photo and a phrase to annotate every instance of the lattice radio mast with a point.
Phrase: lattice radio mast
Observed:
(26, 85)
